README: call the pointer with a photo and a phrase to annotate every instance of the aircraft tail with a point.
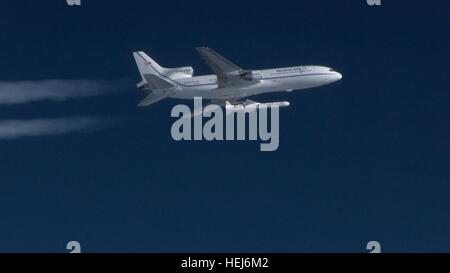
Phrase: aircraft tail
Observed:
(147, 65)
(152, 79)
(157, 80)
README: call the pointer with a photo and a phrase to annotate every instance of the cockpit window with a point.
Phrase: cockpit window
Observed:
(332, 70)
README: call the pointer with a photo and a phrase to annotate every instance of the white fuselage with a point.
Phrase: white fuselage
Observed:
(273, 80)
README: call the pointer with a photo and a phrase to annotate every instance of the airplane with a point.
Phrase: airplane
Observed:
(230, 86)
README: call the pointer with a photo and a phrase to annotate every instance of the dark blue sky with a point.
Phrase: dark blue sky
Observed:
(364, 159)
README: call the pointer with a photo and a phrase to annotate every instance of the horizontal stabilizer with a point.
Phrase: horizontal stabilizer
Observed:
(155, 82)
(150, 99)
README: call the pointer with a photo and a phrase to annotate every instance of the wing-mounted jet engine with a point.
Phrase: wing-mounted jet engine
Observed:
(251, 75)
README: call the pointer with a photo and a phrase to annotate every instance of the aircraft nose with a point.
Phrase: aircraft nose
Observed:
(335, 76)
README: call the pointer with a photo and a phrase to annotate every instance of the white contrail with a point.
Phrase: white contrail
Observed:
(12, 129)
(58, 90)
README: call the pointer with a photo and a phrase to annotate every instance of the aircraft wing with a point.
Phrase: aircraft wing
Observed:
(227, 72)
